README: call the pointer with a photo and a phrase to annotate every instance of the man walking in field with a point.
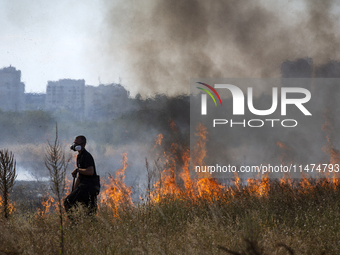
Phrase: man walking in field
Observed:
(87, 185)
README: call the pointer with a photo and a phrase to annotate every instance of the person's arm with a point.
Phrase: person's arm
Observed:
(86, 171)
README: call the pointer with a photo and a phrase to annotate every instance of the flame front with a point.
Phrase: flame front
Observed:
(116, 195)
(11, 206)
(47, 205)
(175, 181)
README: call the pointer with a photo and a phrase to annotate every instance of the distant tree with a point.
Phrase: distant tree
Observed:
(56, 164)
(7, 178)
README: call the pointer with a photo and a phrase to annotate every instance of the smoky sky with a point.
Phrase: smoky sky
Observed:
(162, 44)
(313, 139)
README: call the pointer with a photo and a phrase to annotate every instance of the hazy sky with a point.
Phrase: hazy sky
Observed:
(157, 46)
(50, 40)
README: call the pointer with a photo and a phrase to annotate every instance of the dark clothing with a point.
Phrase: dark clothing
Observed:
(85, 160)
(87, 191)
(85, 194)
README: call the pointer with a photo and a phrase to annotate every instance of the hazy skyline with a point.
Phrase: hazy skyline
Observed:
(51, 40)
(157, 46)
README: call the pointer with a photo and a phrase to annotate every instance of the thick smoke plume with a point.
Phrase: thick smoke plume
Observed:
(162, 44)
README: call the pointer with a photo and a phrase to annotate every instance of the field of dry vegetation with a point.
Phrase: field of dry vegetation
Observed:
(181, 215)
(288, 218)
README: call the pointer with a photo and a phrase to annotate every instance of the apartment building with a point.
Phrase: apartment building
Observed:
(66, 94)
(96, 103)
(105, 101)
(12, 90)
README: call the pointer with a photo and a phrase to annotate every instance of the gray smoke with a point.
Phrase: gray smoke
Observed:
(162, 44)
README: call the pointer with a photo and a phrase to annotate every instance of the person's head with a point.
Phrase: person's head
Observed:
(80, 140)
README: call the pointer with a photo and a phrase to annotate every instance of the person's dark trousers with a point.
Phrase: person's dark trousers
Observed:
(84, 194)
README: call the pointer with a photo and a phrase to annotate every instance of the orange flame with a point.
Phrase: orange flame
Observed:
(173, 125)
(175, 180)
(46, 203)
(116, 195)
(158, 140)
(168, 183)
(11, 205)
(259, 187)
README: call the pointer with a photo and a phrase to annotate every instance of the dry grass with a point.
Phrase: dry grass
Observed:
(286, 221)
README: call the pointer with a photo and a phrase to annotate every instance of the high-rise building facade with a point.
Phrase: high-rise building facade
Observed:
(66, 94)
(105, 101)
(12, 90)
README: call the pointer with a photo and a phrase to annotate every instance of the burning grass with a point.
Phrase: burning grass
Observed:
(304, 220)
(116, 195)
(182, 215)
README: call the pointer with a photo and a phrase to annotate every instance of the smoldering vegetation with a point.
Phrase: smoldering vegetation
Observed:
(266, 217)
